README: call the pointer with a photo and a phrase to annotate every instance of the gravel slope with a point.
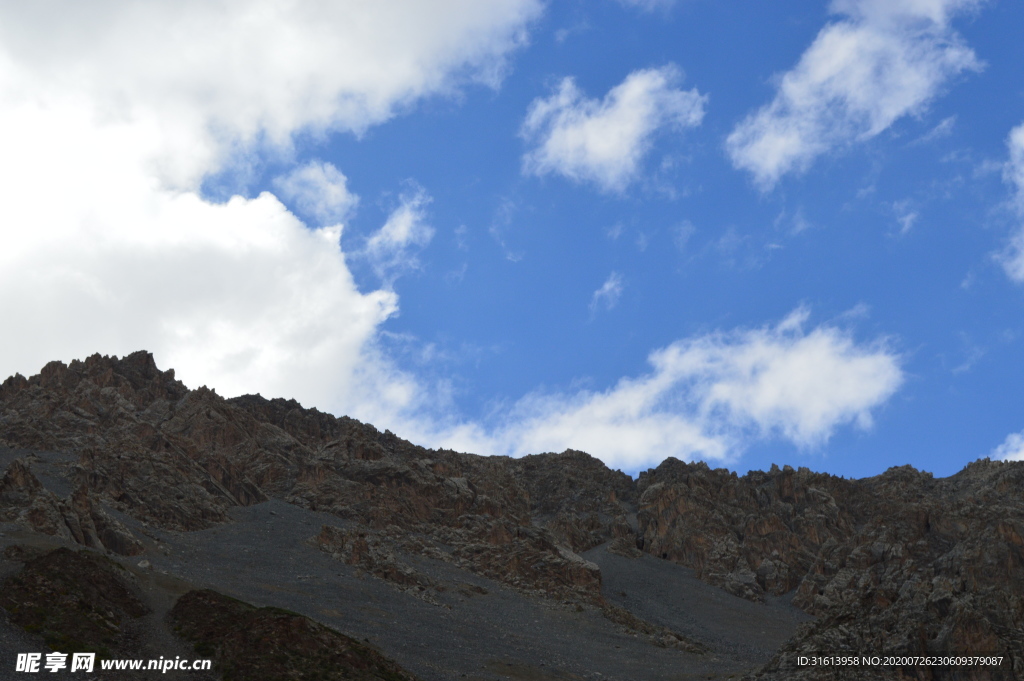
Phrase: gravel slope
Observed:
(670, 595)
(468, 627)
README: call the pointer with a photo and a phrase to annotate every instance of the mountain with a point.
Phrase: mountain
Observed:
(392, 561)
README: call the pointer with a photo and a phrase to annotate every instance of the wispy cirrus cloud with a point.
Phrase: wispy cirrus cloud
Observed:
(1013, 171)
(604, 141)
(1012, 257)
(607, 296)
(648, 5)
(906, 215)
(882, 61)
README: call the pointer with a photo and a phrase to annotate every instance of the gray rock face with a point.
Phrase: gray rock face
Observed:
(24, 499)
(899, 563)
(752, 535)
(178, 459)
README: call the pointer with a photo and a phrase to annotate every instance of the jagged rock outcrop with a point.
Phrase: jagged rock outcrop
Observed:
(900, 563)
(752, 535)
(79, 518)
(179, 459)
(373, 552)
(579, 499)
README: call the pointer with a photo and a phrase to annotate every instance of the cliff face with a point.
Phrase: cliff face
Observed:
(178, 459)
(900, 562)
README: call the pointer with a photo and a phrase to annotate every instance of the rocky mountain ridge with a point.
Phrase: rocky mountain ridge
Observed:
(899, 563)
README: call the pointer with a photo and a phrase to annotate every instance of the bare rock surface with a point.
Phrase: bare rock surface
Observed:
(899, 564)
(58, 597)
(257, 644)
(549, 566)
(177, 459)
(76, 601)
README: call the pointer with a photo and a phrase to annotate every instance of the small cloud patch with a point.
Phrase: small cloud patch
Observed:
(392, 249)
(605, 141)
(319, 191)
(607, 297)
(1012, 448)
(883, 61)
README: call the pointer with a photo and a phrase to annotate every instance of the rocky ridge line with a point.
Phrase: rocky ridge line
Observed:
(901, 562)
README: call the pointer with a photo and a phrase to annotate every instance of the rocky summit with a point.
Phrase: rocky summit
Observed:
(143, 519)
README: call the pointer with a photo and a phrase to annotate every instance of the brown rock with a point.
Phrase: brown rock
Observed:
(77, 601)
(899, 562)
(255, 644)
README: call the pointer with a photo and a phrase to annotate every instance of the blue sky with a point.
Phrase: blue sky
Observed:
(749, 233)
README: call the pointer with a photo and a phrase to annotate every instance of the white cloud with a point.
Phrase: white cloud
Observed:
(885, 60)
(648, 5)
(208, 76)
(1012, 448)
(111, 116)
(318, 190)
(1012, 258)
(605, 141)
(608, 295)
(707, 397)
(1013, 172)
(800, 385)
(682, 233)
(906, 216)
(391, 249)
(113, 113)
(500, 226)
(943, 129)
